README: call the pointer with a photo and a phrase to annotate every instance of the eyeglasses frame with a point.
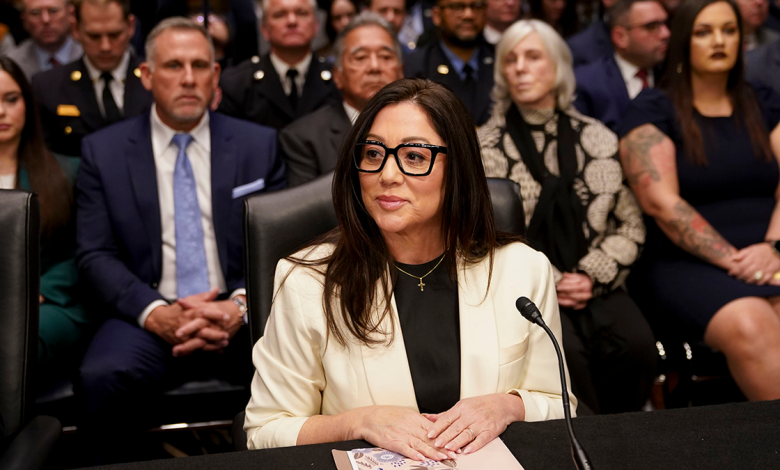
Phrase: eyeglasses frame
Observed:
(435, 150)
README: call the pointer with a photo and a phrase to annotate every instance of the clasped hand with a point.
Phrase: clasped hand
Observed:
(196, 322)
(574, 290)
(441, 436)
(756, 264)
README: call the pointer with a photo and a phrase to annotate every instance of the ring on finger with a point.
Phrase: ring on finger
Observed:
(472, 433)
(758, 275)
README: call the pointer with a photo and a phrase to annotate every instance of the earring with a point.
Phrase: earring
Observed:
(679, 67)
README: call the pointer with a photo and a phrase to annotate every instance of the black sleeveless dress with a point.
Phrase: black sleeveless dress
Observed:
(734, 192)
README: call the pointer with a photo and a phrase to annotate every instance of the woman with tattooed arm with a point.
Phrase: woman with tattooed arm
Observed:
(700, 154)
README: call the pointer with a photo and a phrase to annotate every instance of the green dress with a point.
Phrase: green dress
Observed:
(65, 326)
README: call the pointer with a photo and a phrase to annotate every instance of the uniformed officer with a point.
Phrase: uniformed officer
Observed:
(286, 83)
(461, 59)
(100, 88)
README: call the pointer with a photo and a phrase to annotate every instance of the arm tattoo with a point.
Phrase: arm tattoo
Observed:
(640, 168)
(695, 235)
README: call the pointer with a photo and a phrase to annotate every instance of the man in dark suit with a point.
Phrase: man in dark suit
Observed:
(763, 65)
(368, 57)
(640, 39)
(160, 234)
(461, 59)
(594, 42)
(101, 88)
(286, 83)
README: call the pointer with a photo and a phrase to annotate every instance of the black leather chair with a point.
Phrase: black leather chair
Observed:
(278, 224)
(27, 440)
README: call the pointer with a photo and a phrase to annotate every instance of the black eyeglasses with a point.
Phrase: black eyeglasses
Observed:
(651, 27)
(412, 159)
(460, 7)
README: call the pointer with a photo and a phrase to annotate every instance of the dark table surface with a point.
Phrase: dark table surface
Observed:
(734, 436)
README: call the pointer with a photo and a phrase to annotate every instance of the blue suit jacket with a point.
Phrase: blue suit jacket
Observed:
(590, 45)
(119, 234)
(763, 65)
(601, 91)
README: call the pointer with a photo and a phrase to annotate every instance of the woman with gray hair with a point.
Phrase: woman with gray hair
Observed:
(577, 212)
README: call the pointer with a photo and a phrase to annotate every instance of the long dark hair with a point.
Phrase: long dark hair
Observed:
(361, 257)
(46, 176)
(676, 82)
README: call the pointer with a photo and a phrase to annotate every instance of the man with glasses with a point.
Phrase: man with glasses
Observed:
(461, 59)
(640, 38)
(368, 57)
(99, 89)
(50, 43)
(288, 82)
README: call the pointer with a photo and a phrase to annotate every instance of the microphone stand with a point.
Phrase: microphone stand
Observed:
(531, 313)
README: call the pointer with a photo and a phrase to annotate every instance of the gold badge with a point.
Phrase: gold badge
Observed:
(137, 72)
(68, 130)
(259, 75)
(68, 110)
(443, 69)
(326, 75)
(487, 60)
(255, 59)
(75, 75)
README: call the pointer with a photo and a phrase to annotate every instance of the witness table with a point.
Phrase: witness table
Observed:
(734, 436)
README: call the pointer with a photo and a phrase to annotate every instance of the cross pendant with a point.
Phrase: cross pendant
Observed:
(421, 284)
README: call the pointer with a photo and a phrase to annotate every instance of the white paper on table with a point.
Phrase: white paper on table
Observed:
(494, 456)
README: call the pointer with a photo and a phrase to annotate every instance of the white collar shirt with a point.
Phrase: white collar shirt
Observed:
(282, 67)
(117, 85)
(199, 154)
(352, 113)
(628, 72)
(492, 35)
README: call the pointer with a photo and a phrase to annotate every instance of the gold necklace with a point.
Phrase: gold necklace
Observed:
(422, 284)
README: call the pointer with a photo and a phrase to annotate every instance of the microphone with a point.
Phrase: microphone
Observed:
(531, 313)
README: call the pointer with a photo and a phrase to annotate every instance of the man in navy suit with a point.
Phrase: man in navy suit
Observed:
(640, 39)
(160, 234)
(593, 43)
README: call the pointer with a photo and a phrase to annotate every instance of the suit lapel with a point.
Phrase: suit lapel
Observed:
(314, 89)
(83, 96)
(339, 127)
(615, 82)
(478, 333)
(387, 367)
(223, 179)
(143, 174)
(271, 87)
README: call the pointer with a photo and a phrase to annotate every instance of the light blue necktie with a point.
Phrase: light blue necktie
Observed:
(192, 272)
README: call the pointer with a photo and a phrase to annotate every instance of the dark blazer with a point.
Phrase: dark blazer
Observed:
(430, 62)
(119, 239)
(590, 45)
(601, 91)
(63, 90)
(763, 65)
(253, 91)
(311, 144)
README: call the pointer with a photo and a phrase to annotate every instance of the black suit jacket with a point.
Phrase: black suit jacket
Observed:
(590, 45)
(311, 145)
(63, 90)
(253, 91)
(763, 65)
(430, 62)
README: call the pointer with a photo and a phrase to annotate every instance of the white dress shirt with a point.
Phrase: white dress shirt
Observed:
(352, 113)
(8, 181)
(199, 153)
(282, 67)
(633, 83)
(117, 84)
(492, 35)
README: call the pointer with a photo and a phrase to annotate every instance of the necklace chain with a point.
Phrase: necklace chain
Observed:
(422, 284)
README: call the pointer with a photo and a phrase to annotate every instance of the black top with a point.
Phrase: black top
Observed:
(431, 331)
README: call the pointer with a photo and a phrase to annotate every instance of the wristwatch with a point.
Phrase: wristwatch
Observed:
(775, 245)
(242, 308)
